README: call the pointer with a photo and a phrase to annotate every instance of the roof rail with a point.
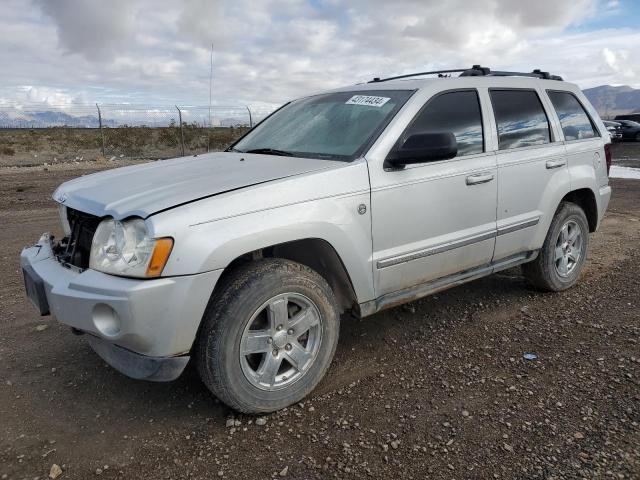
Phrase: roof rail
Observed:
(475, 71)
(433, 72)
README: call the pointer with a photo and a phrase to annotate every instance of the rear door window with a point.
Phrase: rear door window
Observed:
(457, 112)
(520, 118)
(576, 124)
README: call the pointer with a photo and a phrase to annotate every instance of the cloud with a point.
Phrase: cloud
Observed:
(52, 96)
(618, 61)
(204, 22)
(157, 51)
(96, 29)
(544, 14)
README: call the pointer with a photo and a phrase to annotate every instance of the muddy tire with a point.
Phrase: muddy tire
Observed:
(563, 254)
(268, 336)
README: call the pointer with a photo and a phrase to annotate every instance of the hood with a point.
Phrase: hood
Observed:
(142, 190)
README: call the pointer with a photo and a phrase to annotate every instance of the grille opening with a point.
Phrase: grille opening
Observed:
(75, 248)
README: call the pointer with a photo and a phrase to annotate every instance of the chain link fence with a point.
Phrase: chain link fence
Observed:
(33, 135)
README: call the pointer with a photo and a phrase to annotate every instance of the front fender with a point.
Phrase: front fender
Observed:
(334, 220)
(206, 239)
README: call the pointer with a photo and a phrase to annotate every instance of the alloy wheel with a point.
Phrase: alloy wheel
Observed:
(569, 248)
(281, 341)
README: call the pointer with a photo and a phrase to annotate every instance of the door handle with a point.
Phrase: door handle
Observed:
(555, 164)
(479, 178)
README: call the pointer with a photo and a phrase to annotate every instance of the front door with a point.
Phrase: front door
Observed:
(434, 219)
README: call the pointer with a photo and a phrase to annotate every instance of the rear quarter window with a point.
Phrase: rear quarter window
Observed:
(576, 123)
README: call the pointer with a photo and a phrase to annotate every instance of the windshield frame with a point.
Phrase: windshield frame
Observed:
(366, 145)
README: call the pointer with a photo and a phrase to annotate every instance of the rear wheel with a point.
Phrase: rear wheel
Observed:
(638, 137)
(269, 336)
(562, 256)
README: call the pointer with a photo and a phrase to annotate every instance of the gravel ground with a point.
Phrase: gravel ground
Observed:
(438, 388)
(626, 154)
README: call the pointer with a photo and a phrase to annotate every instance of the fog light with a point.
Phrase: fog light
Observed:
(106, 320)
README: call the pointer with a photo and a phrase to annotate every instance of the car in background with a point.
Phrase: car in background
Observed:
(630, 130)
(635, 117)
(614, 129)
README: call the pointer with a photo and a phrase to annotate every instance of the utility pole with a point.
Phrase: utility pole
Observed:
(210, 90)
(250, 119)
(181, 130)
(100, 125)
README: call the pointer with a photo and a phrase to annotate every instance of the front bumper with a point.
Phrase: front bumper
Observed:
(131, 322)
(140, 367)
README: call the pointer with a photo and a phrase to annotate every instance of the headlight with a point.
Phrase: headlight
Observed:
(64, 220)
(125, 248)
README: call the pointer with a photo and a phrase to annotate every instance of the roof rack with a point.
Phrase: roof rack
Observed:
(475, 71)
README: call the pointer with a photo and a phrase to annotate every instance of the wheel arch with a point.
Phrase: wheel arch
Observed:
(585, 198)
(317, 254)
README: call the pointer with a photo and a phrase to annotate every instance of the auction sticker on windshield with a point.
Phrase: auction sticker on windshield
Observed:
(369, 100)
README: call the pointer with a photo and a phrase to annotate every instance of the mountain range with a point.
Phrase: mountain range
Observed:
(610, 101)
(16, 118)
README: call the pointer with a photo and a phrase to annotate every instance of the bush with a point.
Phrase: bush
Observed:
(9, 151)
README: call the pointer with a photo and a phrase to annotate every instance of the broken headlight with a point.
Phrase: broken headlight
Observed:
(125, 248)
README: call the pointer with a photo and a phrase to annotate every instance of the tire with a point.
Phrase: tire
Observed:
(245, 314)
(549, 271)
(637, 138)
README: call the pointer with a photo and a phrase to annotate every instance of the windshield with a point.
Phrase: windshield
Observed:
(334, 126)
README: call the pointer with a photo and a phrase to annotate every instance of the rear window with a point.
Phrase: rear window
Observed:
(520, 118)
(576, 124)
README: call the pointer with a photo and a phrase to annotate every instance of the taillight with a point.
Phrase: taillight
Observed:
(607, 156)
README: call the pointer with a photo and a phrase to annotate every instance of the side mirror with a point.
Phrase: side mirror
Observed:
(424, 147)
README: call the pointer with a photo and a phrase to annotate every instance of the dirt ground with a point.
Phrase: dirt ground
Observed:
(435, 389)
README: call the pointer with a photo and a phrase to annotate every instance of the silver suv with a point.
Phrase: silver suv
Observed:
(348, 201)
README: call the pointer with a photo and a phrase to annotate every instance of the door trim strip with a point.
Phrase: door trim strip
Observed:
(514, 227)
(463, 242)
(440, 248)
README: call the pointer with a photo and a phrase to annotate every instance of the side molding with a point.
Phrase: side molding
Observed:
(463, 242)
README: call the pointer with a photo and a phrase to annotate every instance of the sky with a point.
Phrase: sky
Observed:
(157, 52)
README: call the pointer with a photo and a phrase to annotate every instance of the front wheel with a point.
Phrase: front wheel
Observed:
(268, 336)
(563, 254)
(638, 137)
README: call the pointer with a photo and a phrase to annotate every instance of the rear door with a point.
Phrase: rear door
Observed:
(532, 168)
(433, 219)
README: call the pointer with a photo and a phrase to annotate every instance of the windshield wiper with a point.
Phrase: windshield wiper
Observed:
(270, 151)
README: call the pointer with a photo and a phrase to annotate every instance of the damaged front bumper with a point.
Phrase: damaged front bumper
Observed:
(143, 328)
